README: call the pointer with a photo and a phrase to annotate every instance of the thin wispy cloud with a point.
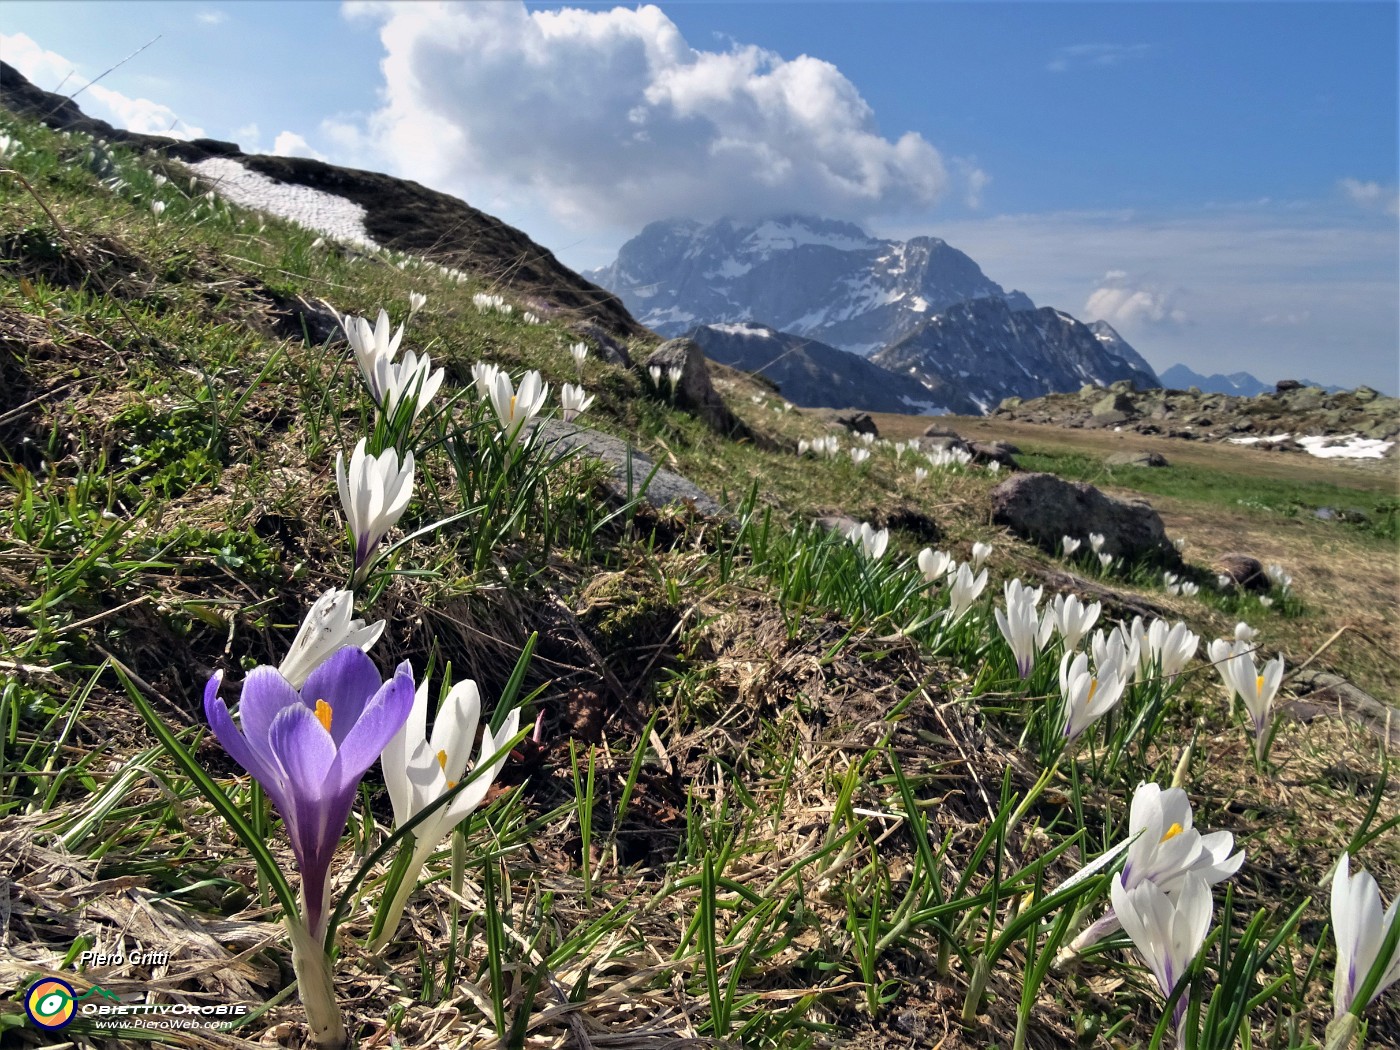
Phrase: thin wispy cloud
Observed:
(1081, 55)
(212, 17)
(613, 117)
(1372, 196)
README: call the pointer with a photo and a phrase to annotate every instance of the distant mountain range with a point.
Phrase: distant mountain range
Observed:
(920, 309)
(1241, 384)
(815, 375)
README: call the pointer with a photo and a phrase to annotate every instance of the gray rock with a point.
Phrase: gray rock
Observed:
(608, 348)
(1364, 394)
(1136, 459)
(994, 452)
(1043, 508)
(858, 423)
(695, 391)
(630, 468)
(1244, 571)
(1117, 402)
(1285, 385)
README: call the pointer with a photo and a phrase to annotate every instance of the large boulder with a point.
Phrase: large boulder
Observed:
(695, 391)
(858, 423)
(1043, 508)
(1136, 459)
(1243, 571)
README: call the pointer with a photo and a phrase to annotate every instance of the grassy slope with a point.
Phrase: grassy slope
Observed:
(170, 503)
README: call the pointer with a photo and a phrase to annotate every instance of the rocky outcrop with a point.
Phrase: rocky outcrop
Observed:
(694, 391)
(1279, 419)
(1044, 508)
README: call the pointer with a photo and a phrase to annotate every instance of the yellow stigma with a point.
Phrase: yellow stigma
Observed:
(1259, 685)
(512, 405)
(323, 714)
(1173, 831)
(1093, 688)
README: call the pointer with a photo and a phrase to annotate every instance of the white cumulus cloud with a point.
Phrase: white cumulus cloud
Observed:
(1372, 196)
(52, 72)
(290, 144)
(1123, 302)
(610, 116)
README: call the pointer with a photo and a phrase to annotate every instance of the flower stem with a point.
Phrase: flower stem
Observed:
(422, 850)
(316, 988)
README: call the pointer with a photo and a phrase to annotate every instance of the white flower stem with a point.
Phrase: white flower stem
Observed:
(1341, 1033)
(316, 988)
(422, 850)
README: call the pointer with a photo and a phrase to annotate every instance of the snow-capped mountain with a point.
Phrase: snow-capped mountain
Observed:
(826, 280)
(985, 350)
(814, 375)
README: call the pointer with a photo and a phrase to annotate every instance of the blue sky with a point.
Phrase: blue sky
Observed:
(1216, 180)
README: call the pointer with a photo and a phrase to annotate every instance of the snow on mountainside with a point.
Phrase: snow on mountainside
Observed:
(814, 375)
(818, 278)
(987, 351)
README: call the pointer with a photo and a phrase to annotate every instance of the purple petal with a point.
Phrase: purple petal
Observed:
(381, 718)
(266, 694)
(346, 681)
(315, 814)
(216, 711)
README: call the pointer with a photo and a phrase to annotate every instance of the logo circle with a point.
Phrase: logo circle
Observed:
(49, 1003)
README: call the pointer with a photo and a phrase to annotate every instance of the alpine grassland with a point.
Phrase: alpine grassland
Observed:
(341, 691)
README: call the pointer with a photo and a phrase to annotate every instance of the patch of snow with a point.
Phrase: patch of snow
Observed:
(777, 236)
(731, 267)
(1272, 439)
(1345, 446)
(327, 214)
(743, 328)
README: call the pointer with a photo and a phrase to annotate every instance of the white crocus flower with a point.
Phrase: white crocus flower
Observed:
(372, 346)
(1073, 618)
(673, 376)
(1360, 928)
(1179, 543)
(1096, 541)
(515, 408)
(530, 317)
(994, 467)
(803, 446)
(1024, 632)
(1171, 647)
(1069, 545)
(330, 624)
(1224, 582)
(1190, 589)
(1163, 849)
(416, 302)
(1115, 647)
(411, 377)
(579, 352)
(157, 208)
(574, 400)
(980, 553)
(1265, 600)
(654, 371)
(1169, 578)
(1244, 632)
(934, 564)
(419, 770)
(1105, 560)
(484, 377)
(1167, 932)
(920, 474)
(374, 493)
(872, 543)
(859, 455)
(1235, 662)
(965, 590)
(1088, 696)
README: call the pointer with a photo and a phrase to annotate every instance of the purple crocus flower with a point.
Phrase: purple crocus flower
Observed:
(309, 750)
